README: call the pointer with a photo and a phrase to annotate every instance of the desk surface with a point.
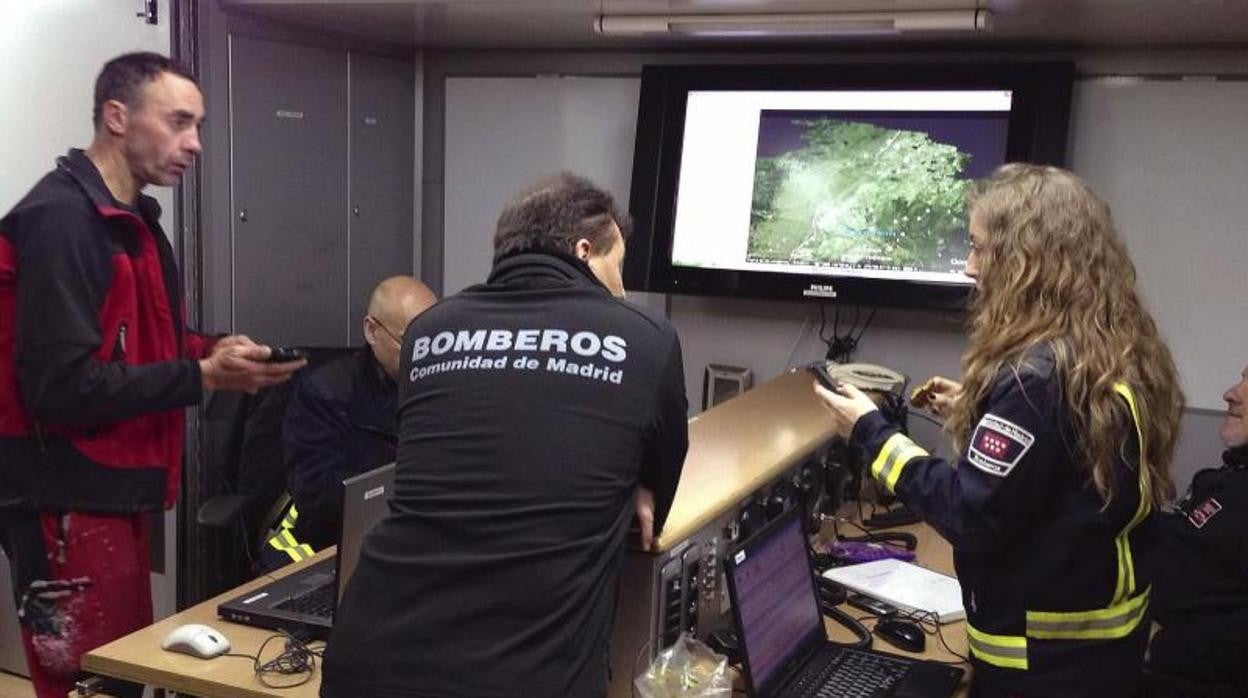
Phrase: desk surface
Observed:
(138, 657)
(934, 553)
(741, 445)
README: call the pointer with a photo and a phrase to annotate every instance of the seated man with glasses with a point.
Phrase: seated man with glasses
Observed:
(341, 422)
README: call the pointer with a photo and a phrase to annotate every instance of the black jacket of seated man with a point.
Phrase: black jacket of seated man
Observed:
(1202, 583)
(531, 407)
(340, 422)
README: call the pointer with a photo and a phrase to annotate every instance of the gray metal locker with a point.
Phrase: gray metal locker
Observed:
(289, 192)
(381, 186)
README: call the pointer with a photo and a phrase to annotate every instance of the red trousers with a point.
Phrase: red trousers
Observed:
(81, 581)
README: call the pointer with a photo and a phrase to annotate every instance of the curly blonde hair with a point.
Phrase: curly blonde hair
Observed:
(1053, 270)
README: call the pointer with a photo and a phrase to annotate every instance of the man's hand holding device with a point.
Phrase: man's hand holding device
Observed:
(238, 363)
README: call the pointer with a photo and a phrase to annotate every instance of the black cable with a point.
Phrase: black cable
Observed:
(855, 523)
(865, 325)
(298, 658)
(924, 619)
(841, 347)
(859, 630)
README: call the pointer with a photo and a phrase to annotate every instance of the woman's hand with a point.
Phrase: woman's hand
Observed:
(937, 395)
(846, 406)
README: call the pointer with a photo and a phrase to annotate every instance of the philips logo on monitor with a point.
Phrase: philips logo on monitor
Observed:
(820, 291)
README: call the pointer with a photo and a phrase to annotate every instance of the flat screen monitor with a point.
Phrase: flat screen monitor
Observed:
(827, 182)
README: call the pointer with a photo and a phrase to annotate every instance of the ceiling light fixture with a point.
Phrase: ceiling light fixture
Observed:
(795, 24)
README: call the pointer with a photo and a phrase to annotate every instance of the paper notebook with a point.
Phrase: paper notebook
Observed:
(904, 585)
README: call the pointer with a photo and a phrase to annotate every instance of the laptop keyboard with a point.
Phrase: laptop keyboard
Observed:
(318, 602)
(837, 673)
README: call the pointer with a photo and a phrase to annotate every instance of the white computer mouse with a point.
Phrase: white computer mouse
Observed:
(197, 640)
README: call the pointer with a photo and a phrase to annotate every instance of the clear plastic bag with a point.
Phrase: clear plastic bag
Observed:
(687, 669)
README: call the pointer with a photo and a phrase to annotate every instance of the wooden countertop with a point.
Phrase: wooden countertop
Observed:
(741, 445)
(138, 657)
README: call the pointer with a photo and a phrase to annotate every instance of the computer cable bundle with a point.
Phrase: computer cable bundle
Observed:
(298, 658)
(841, 347)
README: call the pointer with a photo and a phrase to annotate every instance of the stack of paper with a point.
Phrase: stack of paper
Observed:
(904, 585)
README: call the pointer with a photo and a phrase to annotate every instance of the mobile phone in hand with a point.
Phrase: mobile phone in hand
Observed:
(820, 370)
(282, 355)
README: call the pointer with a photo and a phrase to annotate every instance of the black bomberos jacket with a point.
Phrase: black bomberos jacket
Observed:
(530, 407)
(95, 363)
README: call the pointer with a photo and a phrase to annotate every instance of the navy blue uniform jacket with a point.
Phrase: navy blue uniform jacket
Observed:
(340, 422)
(1202, 586)
(1054, 581)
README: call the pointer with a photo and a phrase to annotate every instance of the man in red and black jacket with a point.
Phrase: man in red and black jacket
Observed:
(96, 365)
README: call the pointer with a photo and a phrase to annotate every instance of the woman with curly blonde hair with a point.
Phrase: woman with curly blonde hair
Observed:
(1066, 420)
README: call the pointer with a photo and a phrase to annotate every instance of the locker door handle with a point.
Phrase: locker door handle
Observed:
(242, 215)
(355, 211)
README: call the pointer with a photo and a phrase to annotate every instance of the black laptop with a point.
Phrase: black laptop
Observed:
(785, 647)
(305, 601)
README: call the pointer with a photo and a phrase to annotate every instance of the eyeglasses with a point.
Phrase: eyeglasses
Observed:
(393, 337)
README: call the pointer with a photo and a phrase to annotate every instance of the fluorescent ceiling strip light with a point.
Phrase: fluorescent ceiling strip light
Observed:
(795, 24)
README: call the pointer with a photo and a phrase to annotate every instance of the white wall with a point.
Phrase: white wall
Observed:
(1171, 159)
(494, 151)
(50, 54)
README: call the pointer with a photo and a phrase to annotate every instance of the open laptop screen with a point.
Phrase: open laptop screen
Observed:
(365, 502)
(774, 600)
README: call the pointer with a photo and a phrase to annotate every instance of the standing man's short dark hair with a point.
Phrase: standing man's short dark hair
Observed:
(556, 213)
(96, 364)
(124, 77)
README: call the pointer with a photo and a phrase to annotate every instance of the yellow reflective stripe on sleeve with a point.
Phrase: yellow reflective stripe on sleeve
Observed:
(1117, 621)
(1009, 651)
(1125, 586)
(294, 548)
(283, 538)
(292, 515)
(898, 450)
(296, 552)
